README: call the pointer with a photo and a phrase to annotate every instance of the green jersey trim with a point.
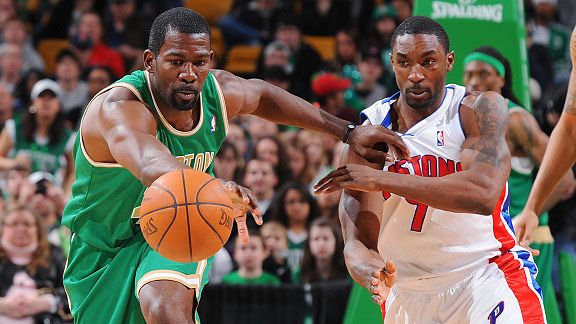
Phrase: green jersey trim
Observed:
(222, 104)
(84, 152)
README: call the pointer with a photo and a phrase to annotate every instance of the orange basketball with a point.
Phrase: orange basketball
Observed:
(186, 215)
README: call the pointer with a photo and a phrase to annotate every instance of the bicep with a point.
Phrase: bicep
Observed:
(242, 96)
(129, 130)
(485, 150)
(360, 212)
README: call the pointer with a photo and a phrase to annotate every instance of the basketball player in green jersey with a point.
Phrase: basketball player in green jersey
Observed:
(172, 115)
(486, 69)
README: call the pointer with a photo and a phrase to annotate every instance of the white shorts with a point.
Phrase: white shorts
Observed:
(503, 291)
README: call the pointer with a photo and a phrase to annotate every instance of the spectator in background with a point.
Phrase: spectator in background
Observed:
(238, 137)
(23, 89)
(275, 237)
(277, 76)
(8, 11)
(546, 31)
(259, 128)
(6, 105)
(58, 19)
(323, 258)
(317, 162)
(14, 180)
(305, 59)
(250, 258)
(15, 33)
(325, 17)
(47, 200)
(98, 78)
(261, 179)
(31, 270)
(294, 207)
(296, 160)
(11, 63)
(329, 89)
(88, 44)
(275, 54)
(74, 91)
(271, 149)
(371, 69)
(384, 24)
(40, 136)
(346, 49)
(403, 9)
(227, 162)
(126, 32)
(252, 23)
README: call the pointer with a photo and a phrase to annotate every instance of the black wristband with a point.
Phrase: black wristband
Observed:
(349, 130)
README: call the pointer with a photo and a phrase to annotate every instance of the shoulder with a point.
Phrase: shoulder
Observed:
(483, 108)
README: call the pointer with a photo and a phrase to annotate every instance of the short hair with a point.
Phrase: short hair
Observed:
(422, 25)
(68, 53)
(178, 19)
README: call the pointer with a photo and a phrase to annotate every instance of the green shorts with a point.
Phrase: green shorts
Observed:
(103, 287)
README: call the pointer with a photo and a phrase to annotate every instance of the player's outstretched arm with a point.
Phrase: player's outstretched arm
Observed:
(559, 158)
(360, 214)
(485, 166)
(128, 129)
(265, 100)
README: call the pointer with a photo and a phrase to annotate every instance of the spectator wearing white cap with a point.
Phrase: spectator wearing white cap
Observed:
(40, 138)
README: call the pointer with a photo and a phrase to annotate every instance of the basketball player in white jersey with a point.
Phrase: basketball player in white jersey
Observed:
(440, 217)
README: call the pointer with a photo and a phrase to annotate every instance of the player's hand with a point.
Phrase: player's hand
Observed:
(244, 201)
(524, 226)
(350, 176)
(381, 282)
(365, 138)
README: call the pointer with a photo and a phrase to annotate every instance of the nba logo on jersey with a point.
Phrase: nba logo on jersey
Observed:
(440, 138)
(213, 124)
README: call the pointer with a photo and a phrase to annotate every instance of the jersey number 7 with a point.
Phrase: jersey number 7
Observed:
(419, 213)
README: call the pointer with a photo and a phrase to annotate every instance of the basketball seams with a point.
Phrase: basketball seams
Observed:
(185, 204)
(173, 216)
(200, 212)
(187, 214)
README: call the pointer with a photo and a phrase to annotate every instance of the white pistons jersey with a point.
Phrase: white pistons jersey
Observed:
(425, 242)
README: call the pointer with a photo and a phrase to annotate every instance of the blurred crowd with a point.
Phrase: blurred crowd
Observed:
(56, 55)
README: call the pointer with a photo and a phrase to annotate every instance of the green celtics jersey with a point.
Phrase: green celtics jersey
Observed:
(106, 195)
(521, 180)
(44, 156)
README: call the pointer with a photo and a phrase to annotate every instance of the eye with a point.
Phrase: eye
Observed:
(403, 63)
(201, 63)
(428, 62)
(175, 62)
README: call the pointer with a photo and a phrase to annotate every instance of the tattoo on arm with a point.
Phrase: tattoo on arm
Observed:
(491, 118)
(524, 132)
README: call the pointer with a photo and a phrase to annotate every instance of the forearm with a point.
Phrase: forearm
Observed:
(355, 256)
(457, 192)
(559, 158)
(7, 163)
(284, 108)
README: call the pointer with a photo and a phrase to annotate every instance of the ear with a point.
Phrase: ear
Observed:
(501, 82)
(149, 60)
(450, 61)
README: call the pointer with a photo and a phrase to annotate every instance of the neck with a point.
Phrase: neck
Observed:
(19, 255)
(250, 273)
(412, 116)
(68, 84)
(323, 267)
(264, 195)
(297, 226)
(11, 78)
(42, 128)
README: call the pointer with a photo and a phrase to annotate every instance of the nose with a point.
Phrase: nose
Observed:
(416, 75)
(188, 73)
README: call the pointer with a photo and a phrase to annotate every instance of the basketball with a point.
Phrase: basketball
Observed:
(186, 215)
